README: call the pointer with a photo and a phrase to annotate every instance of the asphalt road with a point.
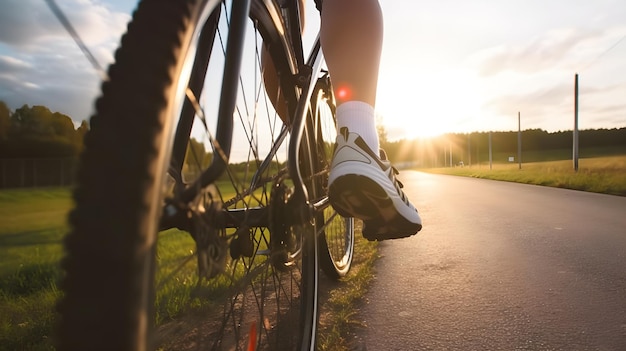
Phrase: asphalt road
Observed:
(501, 266)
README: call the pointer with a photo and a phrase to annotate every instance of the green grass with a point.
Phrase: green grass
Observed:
(175, 297)
(338, 317)
(598, 174)
(33, 223)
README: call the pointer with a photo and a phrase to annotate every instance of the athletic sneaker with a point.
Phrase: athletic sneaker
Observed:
(364, 185)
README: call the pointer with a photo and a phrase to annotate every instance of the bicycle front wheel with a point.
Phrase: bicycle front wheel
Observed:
(142, 215)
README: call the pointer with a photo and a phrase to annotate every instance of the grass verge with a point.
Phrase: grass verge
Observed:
(599, 174)
(33, 222)
(340, 300)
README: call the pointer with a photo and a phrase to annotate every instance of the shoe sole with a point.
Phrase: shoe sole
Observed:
(354, 195)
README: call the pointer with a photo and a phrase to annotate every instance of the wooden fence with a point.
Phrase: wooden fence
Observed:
(32, 173)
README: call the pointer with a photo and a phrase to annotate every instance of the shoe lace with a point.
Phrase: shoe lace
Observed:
(398, 184)
(396, 172)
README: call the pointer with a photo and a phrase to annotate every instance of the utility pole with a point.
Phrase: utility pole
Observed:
(469, 150)
(519, 139)
(490, 154)
(575, 138)
(478, 151)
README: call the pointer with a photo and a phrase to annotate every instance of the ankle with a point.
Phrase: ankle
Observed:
(359, 117)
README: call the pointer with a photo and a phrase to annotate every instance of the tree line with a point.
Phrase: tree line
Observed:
(37, 132)
(475, 146)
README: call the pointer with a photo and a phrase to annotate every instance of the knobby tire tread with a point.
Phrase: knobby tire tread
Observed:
(109, 251)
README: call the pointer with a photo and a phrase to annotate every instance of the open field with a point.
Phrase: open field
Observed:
(32, 224)
(598, 174)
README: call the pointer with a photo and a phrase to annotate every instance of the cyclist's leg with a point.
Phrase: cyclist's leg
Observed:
(351, 35)
(362, 181)
(270, 77)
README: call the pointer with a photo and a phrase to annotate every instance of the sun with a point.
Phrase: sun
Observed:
(429, 128)
(439, 104)
(421, 123)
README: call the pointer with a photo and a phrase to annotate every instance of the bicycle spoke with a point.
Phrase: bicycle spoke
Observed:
(254, 292)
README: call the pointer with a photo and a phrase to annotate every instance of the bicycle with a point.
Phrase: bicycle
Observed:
(260, 219)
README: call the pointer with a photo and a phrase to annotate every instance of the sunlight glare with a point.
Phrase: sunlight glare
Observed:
(434, 104)
(343, 93)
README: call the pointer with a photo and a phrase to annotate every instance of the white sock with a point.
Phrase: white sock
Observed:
(360, 118)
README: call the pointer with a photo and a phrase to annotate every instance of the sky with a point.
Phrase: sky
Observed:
(447, 65)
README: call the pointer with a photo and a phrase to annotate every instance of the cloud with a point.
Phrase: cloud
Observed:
(535, 106)
(552, 108)
(604, 104)
(12, 78)
(536, 78)
(551, 50)
(29, 23)
(8, 63)
(22, 21)
(39, 62)
(50, 79)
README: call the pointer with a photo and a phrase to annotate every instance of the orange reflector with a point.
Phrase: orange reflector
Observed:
(252, 337)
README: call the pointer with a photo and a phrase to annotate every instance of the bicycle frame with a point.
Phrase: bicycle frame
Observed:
(303, 73)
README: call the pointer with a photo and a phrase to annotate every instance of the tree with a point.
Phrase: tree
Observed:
(62, 126)
(39, 121)
(5, 121)
(82, 130)
(38, 132)
(197, 158)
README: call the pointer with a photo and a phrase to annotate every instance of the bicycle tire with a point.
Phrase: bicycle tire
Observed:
(336, 240)
(110, 298)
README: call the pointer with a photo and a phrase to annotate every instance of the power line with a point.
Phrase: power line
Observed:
(604, 53)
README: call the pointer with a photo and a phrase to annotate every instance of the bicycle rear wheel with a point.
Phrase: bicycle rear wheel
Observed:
(129, 285)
